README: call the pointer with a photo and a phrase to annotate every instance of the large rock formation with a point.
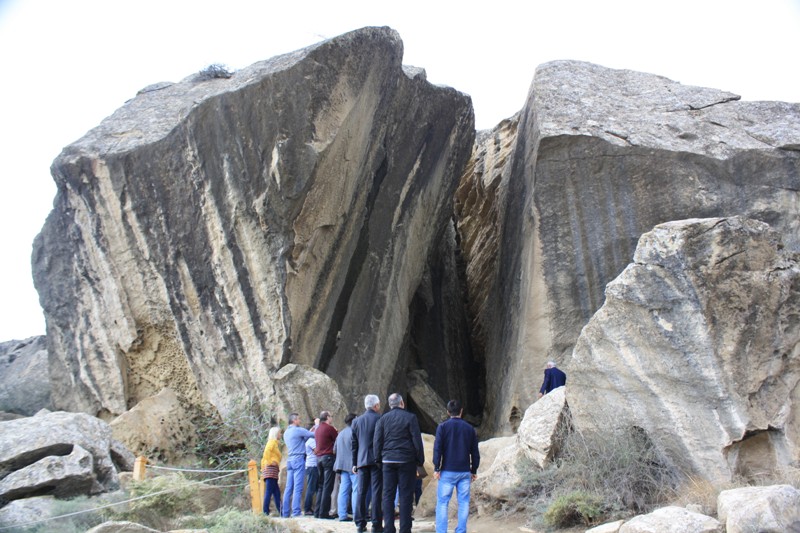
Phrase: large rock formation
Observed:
(599, 157)
(24, 376)
(698, 344)
(64, 454)
(212, 231)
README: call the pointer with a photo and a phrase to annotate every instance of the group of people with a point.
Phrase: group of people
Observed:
(379, 458)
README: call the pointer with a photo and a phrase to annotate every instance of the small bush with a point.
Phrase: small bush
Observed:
(214, 71)
(179, 498)
(231, 442)
(229, 520)
(606, 474)
(574, 509)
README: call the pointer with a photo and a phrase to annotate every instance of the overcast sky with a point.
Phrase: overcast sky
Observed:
(68, 64)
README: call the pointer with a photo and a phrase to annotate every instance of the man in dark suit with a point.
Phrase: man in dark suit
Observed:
(553, 379)
(398, 447)
(364, 464)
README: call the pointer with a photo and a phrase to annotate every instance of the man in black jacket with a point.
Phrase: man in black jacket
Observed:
(398, 447)
(364, 464)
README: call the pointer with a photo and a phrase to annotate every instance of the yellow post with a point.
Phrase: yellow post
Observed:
(140, 468)
(262, 488)
(252, 478)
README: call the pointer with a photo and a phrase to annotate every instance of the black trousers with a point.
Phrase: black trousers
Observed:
(325, 486)
(400, 478)
(369, 479)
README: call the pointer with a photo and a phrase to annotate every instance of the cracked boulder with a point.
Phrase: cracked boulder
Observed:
(555, 200)
(698, 344)
(212, 231)
(61, 454)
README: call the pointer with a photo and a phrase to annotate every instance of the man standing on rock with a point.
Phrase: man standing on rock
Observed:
(295, 438)
(398, 447)
(326, 438)
(455, 462)
(365, 465)
(553, 379)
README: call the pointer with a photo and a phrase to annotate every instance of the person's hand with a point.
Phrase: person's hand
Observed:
(474, 477)
(540, 395)
(436, 476)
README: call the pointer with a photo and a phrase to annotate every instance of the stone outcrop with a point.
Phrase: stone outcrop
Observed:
(19, 512)
(672, 520)
(774, 509)
(550, 211)
(64, 454)
(541, 433)
(308, 391)
(157, 427)
(64, 476)
(24, 376)
(700, 331)
(212, 231)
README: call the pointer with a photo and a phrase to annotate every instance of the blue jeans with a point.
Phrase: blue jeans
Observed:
(312, 477)
(271, 490)
(348, 485)
(448, 481)
(295, 470)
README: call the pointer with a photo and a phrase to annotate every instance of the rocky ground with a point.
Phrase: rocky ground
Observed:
(486, 524)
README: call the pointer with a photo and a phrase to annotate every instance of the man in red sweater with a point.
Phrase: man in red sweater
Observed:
(326, 437)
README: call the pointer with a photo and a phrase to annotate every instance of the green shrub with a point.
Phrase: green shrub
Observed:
(613, 473)
(231, 442)
(213, 71)
(230, 520)
(170, 497)
(575, 508)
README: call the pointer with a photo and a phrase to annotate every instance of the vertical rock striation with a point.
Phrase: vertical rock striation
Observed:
(599, 157)
(214, 230)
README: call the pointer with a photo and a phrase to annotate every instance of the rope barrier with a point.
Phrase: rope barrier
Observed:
(40, 521)
(172, 469)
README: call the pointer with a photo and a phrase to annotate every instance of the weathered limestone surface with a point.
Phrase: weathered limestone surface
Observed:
(773, 509)
(64, 476)
(59, 453)
(698, 344)
(672, 520)
(599, 157)
(24, 376)
(158, 428)
(212, 231)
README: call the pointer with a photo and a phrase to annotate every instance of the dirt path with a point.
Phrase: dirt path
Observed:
(475, 525)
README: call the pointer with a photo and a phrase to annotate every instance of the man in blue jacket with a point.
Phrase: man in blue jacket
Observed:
(398, 447)
(455, 463)
(295, 438)
(364, 464)
(553, 379)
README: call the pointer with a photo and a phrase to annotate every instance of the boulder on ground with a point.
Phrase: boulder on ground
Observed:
(63, 476)
(24, 376)
(699, 332)
(26, 510)
(49, 437)
(610, 527)
(158, 427)
(672, 520)
(121, 527)
(544, 426)
(307, 391)
(774, 509)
